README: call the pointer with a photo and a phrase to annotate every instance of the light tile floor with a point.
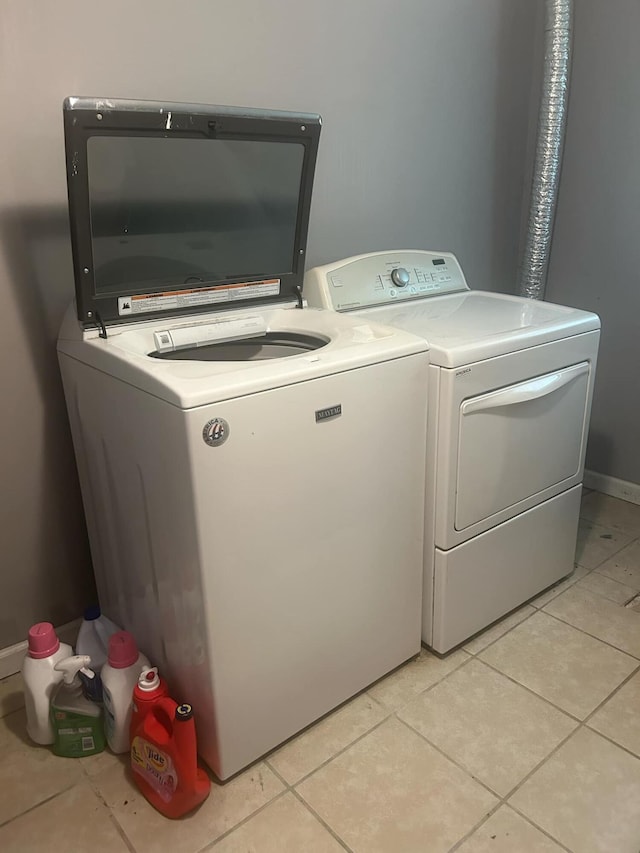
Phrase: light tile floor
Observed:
(526, 739)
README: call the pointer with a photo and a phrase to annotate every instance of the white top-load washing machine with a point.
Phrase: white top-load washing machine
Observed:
(510, 386)
(252, 521)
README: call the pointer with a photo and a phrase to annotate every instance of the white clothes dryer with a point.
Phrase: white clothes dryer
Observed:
(236, 463)
(510, 385)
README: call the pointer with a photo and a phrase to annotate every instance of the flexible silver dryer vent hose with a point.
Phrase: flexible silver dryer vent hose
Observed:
(549, 144)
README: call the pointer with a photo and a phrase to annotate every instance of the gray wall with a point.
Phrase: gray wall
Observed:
(426, 122)
(595, 261)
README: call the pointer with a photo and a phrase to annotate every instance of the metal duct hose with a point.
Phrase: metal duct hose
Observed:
(549, 145)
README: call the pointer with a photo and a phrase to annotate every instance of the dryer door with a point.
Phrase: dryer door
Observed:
(511, 432)
(518, 441)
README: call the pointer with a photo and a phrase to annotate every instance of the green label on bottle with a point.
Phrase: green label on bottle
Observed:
(76, 734)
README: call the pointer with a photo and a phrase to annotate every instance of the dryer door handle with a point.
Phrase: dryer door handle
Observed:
(525, 391)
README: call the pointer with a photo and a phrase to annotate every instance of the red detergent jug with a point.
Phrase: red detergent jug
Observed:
(164, 759)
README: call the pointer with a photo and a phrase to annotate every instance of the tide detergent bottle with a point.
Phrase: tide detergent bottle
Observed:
(163, 752)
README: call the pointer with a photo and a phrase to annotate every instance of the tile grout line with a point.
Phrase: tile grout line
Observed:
(593, 636)
(504, 800)
(423, 649)
(276, 773)
(624, 604)
(393, 711)
(557, 586)
(612, 694)
(557, 707)
(310, 808)
(477, 656)
(613, 553)
(490, 814)
(475, 827)
(98, 793)
(612, 741)
(597, 571)
(530, 691)
(557, 618)
(210, 845)
(497, 639)
(449, 758)
(306, 776)
(38, 804)
(587, 720)
(123, 835)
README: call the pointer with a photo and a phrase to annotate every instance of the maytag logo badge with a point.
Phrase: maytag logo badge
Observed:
(329, 412)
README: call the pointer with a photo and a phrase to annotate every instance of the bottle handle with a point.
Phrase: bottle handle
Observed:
(168, 705)
(166, 716)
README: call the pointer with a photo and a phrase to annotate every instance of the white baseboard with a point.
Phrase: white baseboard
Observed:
(11, 657)
(612, 486)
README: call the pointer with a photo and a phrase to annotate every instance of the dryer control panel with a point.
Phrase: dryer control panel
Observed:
(381, 278)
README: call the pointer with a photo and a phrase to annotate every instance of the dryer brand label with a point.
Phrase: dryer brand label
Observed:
(143, 303)
(463, 372)
(330, 412)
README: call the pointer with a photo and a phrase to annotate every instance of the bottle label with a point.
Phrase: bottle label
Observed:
(109, 716)
(76, 734)
(155, 767)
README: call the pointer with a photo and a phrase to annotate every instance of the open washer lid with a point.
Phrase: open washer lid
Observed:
(179, 209)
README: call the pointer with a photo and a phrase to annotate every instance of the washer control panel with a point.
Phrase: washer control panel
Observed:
(381, 278)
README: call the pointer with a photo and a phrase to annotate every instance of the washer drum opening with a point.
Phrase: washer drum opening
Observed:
(270, 345)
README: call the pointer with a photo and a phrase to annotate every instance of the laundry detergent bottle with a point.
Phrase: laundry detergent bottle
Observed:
(119, 677)
(41, 678)
(164, 759)
(76, 720)
(93, 640)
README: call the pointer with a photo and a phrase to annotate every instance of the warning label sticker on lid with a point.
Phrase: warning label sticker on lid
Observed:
(143, 303)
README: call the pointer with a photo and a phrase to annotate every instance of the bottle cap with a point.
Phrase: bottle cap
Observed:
(149, 680)
(92, 613)
(123, 650)
(43, 640)
(184, 712)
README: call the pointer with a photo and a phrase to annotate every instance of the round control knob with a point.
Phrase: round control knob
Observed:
(400, 277)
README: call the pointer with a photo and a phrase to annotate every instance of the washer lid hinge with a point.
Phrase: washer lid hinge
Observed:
(100, 325)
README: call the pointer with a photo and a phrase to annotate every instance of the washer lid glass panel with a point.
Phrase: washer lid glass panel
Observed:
(190, 211)
(179, 209)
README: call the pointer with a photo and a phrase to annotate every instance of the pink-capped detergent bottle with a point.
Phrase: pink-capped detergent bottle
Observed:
(119, 676)
(40, 678)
